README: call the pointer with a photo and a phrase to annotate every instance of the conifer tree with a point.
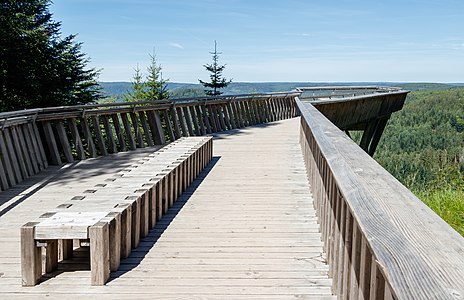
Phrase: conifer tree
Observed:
(217, 82)
(138, 87)
(150, 87)
(39, 67)
(156, 86)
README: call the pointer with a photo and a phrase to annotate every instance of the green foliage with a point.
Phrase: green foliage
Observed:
(423, 147)
(447, 203)
(186, 92)
(154, 87)
(217, 81)
(138, 87)
(39, 68)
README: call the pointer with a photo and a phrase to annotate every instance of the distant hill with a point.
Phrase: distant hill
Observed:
(179, 90)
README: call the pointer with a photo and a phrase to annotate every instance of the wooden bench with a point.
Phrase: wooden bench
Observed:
(114, 215)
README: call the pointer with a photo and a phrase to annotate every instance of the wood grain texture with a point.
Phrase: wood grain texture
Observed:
(415, 254)
(246, 229)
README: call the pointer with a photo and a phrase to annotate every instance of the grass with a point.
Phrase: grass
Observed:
(448, 204)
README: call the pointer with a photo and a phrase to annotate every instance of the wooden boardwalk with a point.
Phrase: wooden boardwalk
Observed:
(246, 228)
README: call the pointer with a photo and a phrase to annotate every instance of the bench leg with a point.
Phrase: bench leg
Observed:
(99, 253)
(152, 207)
(135, 223)
(65, 249)
(51, 256)
(126, 231)
(31, 256)
(115, 240)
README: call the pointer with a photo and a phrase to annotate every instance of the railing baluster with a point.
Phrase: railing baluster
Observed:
(365, 271)
(188, 120)
(38, 145)
(21, 150)
(76, 139)
(181, 119)
(167, 122)
(28, 140)
(128, 131)
(146, 131)
(98, 135)
(62, 137)
(195, 120)
(200, 118)
(119, 134)
(51, 143)
(138, 134)
(156, 127)
(112, 148)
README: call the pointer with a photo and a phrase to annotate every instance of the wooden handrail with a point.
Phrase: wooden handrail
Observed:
(381, 241)
(32, 139)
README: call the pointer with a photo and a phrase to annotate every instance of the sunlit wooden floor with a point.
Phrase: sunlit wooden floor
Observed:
(246, 228)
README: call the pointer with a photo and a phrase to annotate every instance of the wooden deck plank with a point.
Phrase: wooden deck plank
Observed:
(245, 229)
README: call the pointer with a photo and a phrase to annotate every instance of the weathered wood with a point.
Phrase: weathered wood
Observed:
(377, 287)
(63, 138)
(99, 253)
(23, 148)
(51, 143)
(183, 126)
(365, 271)
(51, 256)
(175, 123)
(188, 120)
(205, 116)
(76, 139)
(168, 124)
(384, 224)
(195, 120)
(156, 128)
(128, 131)
(138, 133)
(7, 161)
(40, 146)
(88, 137)
(99, 136)
(31, 264)
(31, 148)
(65, 249)
(112, 148)
(201, 119)
(146, 131)
(3, 176)
(119, 133)
(18, 151)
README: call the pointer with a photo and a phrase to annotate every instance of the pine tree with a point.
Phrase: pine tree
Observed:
(152, 87)
(138, 87)
(217, 81)
(155, 84)
(38, 67)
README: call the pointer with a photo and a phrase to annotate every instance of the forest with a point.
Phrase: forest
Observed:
(423, 147)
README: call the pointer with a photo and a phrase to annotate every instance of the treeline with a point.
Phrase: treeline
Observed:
(423, 147)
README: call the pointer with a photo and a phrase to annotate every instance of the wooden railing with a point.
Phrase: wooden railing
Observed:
(32, 139)
(381, 241)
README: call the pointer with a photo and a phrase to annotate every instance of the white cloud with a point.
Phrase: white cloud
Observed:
(176, 45)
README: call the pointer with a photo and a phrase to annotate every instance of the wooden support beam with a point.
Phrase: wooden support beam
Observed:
(382, 123)
(99, 253)
(76, 139)
(99, 136)
(51, 143)
(31, 256)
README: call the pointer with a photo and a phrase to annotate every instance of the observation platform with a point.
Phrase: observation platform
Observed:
(246, 229)
(289, 207)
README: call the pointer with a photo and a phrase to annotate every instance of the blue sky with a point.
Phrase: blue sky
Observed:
(285, 40)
